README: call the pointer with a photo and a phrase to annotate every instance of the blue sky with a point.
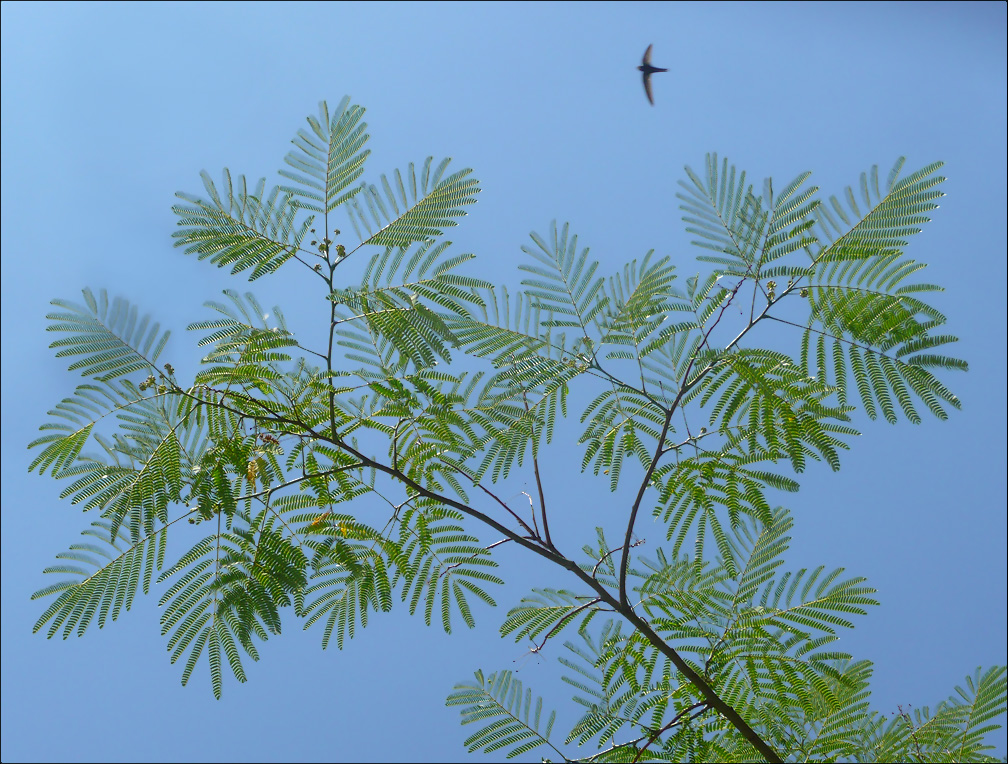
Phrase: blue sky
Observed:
(108, 109)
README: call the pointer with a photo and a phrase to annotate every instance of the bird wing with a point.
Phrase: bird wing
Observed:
(647, 87)
(647, 55)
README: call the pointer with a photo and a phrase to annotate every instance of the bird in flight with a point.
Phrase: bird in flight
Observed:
(648, 70)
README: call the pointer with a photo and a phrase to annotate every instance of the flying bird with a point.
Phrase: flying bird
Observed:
(648, 70)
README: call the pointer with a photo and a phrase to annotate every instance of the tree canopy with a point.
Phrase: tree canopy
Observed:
(706, 395)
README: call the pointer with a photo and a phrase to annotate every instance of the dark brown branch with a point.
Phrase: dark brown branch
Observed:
(562, 622)
(672, 723)
(625, 559)
(686, 387)
(611, 551)
(535, 469)
(496, 498)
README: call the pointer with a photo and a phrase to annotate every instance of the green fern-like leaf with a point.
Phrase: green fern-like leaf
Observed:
(328, 159)
(564, 282)
(109, 340)
(620, 422)
(630, 689)
(734, 476)
(953, 732)
(508, 714)
(727, 216)
(105, 575)
(246, 350)
(547, 610)
(518, 406)
(229, 589)
(240, 227)
(881, 331)
(442, 565)
(140, 471)
(639, 301)
(350, 578)
(413, 209)
(779, 404)
(398, 313)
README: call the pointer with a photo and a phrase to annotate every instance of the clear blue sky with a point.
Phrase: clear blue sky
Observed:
(108, 109)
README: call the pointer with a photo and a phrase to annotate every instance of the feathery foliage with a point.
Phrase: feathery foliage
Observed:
(499, 703)
(339, 481)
